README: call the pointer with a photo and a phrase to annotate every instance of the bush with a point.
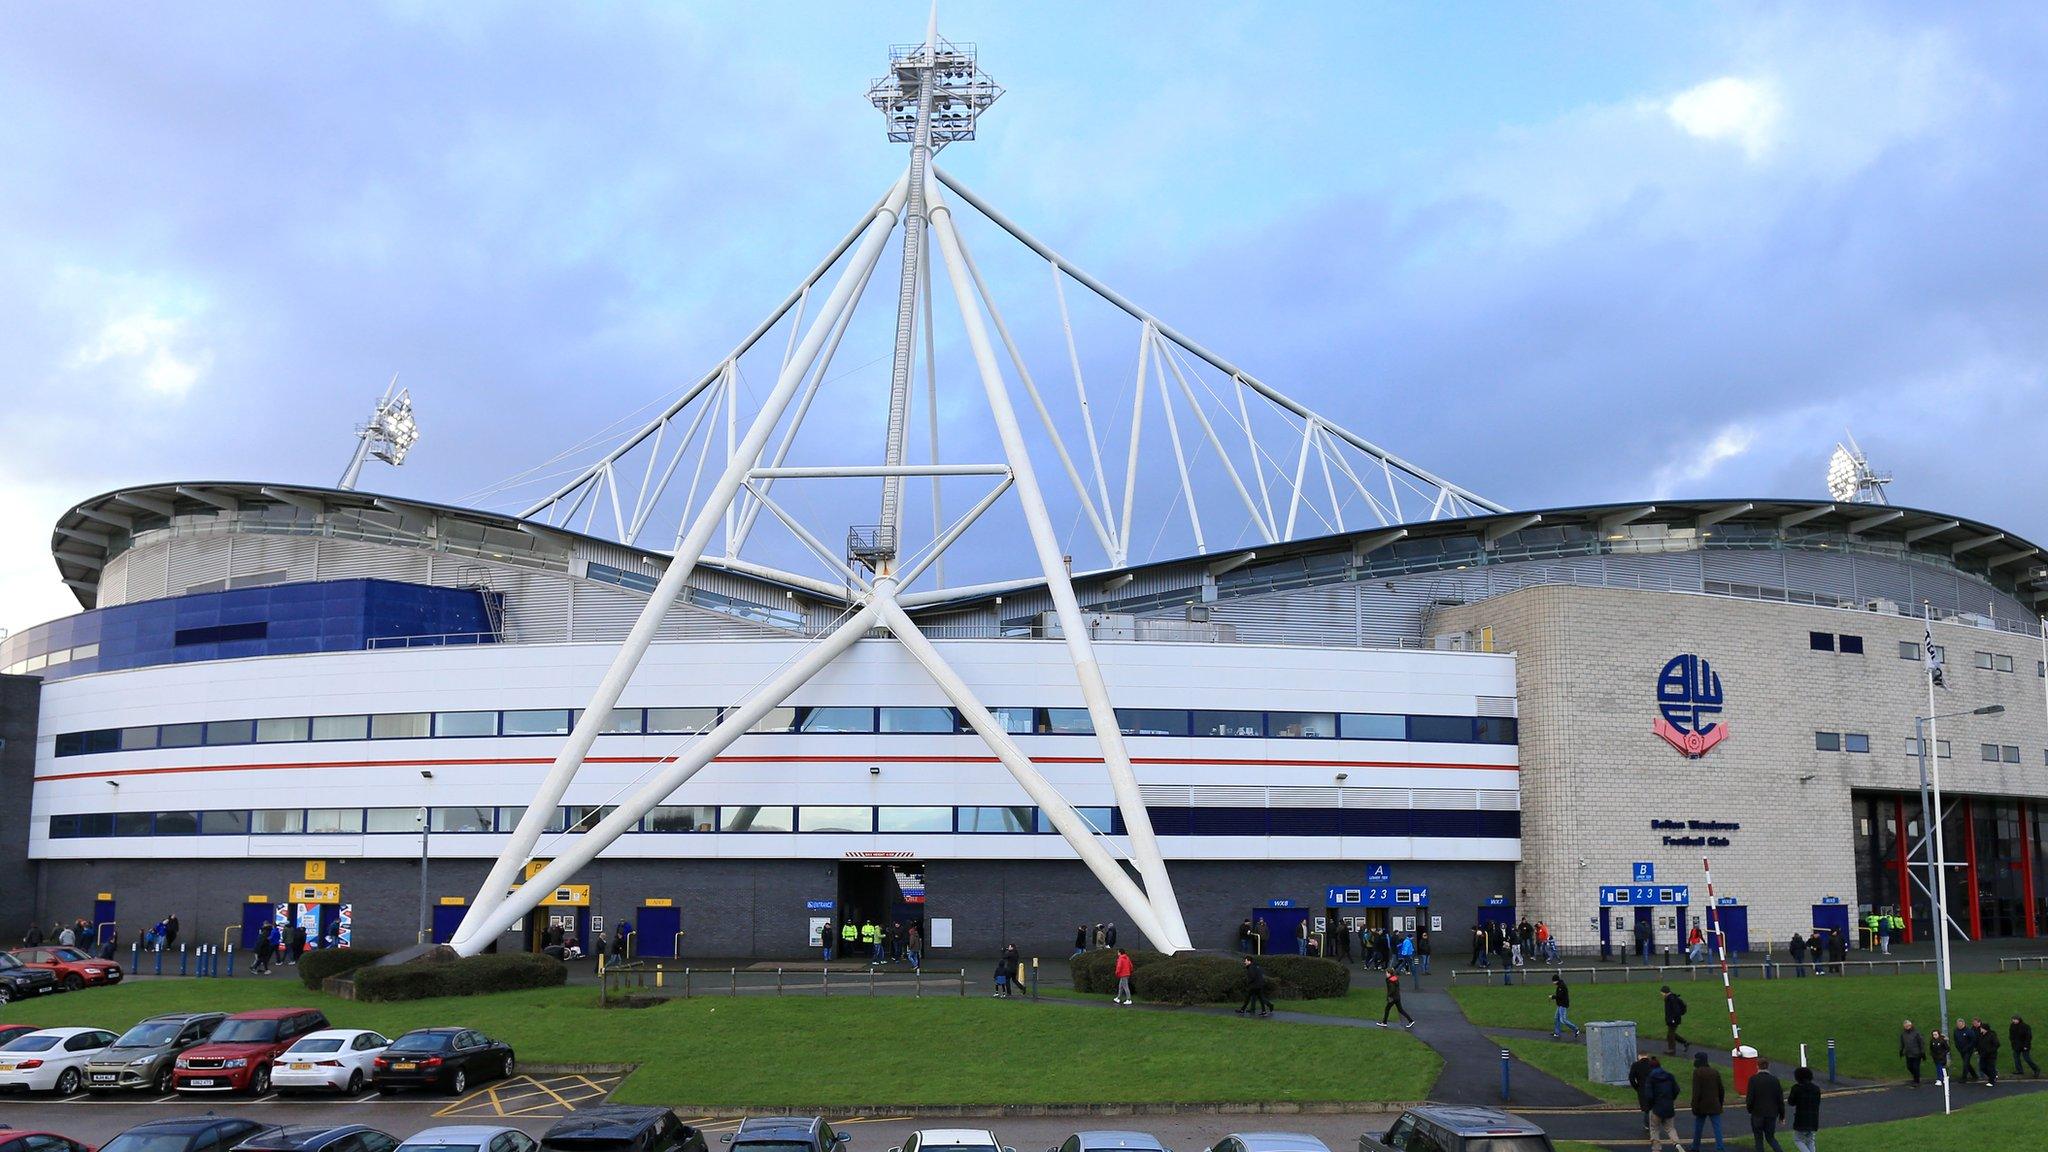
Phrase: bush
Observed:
(1306, 977)
(1095, 969)
(322, 963)
(471, 976)
(1190, 979)
(1209, 978)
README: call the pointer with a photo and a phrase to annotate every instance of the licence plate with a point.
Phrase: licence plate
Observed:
(105, 1077)
(404, 1067)
(302, 1067)
(6, 1067)
(200, 1083)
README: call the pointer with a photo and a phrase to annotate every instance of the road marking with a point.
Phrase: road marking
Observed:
(528, 1095)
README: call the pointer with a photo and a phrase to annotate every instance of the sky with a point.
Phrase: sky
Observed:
(1562, 254)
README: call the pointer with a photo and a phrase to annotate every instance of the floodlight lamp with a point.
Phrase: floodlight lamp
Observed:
(1989, 710)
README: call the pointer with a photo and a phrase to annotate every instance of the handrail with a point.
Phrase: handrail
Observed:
(1769, 969)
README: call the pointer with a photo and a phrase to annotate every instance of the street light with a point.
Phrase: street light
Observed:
(426, 832)
(1937, 861)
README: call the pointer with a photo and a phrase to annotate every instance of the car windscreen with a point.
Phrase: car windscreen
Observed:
(774, 1146)
(589, 1143)
(147, 1142)
(421, 1042)
(7, 962)
(956, 1148)
(318, 1044)
(32, 1043)
(150, 1034)
(69, 955)
(244, 1032)
(438, 1148)
(1506, 1144)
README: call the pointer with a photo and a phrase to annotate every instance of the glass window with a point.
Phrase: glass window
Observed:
(1152, 721)
(464, 723)
(331, 821)
(835, 719)
(694, 720)
(1369, 726)
(133, 823)
(230, 731)
(1021, 818)
(1912, 746)
(1908, 650)
(2002, 663)
(223, 823)
(1988, 752)
(537, 722)
(2011, 753)
(1068, 722)
(1210, 722)
(1850, 645)
(400, 725)
(776, 818)
(463, 819)
(1821, 641)
(134, 738)
(842, 818)
(509, 818)
(582, 818)
(391, 820)
(177, 823)
(64, 827)
(1941, 750)
(341, 727)
(1101, 819)
(277, 820)
(284, 730)
(682, 818)
(70, 744)
(775, 720)
(1983, 660)
(1855, 741)
(920, 720)
(1827, 741)
(914, 820)
(1440, 729)
(1494, 729)
(1015, 721)
(623, 720)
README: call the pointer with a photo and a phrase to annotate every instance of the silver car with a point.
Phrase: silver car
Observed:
(141, 1060)
(1269, 1142)
(1111, 1140)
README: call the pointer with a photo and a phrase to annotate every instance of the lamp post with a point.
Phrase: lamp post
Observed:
(426, 834)
(1937, 862)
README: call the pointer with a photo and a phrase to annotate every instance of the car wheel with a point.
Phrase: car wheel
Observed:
(355, 1082)
(457, 1082)
(506, 1071)
(163, 1082)
(73, 982)
(259, 1081)
(67, 1082)
(6, 993)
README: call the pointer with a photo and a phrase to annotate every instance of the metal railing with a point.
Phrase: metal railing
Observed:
(643, 978)
(1767, 969)
(436, 640)
(2019, 963)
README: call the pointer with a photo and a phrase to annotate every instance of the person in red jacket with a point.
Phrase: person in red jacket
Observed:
(1123, 977)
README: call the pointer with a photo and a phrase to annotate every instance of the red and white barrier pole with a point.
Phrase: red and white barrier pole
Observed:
(1721, 947)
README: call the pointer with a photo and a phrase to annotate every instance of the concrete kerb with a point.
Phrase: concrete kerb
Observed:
(1025, 1111)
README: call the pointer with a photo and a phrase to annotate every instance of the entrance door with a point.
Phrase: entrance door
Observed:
(1501, 914)
(1644, 942)
(255, 918)
(885, 895)
(447, 918)
(657, 930)
(102, 921)
(1283, 928)
(1834, 918)
(1734, 921)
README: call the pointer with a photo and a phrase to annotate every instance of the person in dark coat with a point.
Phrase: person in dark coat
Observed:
(2021, 1036)
(297, 947)
(1798, 950)
(1937, 1051)
(1965, 1040)
(1663, 1108)
(1109, 936)
(1256, 1002)
(1805, 1102)
(1674, 1015)
(1987, 1051)
(1393, 983)
(33, 938)
(1244, 935)
(1081, 938)
(1639, 1079)
(170, 931)
(1766, 1107)
(266, 947)
(1709, 1100)
(1913, 1047)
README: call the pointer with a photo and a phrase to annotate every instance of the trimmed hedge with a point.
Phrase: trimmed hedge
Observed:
(321, 963)
(1209, 977)
(472, 976)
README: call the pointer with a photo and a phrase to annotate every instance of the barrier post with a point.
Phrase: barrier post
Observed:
(231, 959)
(159, 960)
(1506, 1059)
(660, 978)
(1034, 977)
(686, 983)
(135, 965)
(735, 982)
(778, 981)
(1831, 1060)
(182, 948)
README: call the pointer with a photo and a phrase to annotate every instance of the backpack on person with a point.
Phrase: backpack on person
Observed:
(1677, 1006)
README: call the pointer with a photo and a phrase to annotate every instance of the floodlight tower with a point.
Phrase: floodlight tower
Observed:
(932, 96)
(388, 435)
(1851, 479)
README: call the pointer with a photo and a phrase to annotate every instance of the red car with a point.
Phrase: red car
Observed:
(12, 1032)
(30, 1140)
(74, 967)
(236, 1058)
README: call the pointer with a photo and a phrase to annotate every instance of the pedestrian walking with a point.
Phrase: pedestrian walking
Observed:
(1478, 946)
(1343, 946)
(1663, 1109)
(2021, 1037)
(67, 938)
(1261, 936)
(1938, 1051)
(1965, 1039)
(1696, 946)
(1766, 1107)
(1674, 1015)
(914, 948)
(298, 945)
(1109, 935)
(1244, 935)
(1002, 977)
(1393, 983)
(1407, 954)
(1081, 938)
(170, 931)
(1097, 937)
(1123, 978)
(1838, 947)
(1639, 1079)
(1987, 1051)
(1805, 1102)
(1709, 1099)
(1422, 950)
(266, 947)
(1797, 948)
(1256, 1002)
(1913, 1048)
(1561, 998)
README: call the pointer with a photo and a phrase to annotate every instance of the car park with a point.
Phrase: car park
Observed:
(469, 1138)
(1269, 1142)
(786, 1134)
(952, 1140)
(18, 981)
(622, 1128)
(1447, 1128)
(141, 1059)
(50, 1059)
(447, 1058)
(330, 1060)
(236, 1058)
(30, 1140)
(75, 967)
(320, 1138)
(208, 1133)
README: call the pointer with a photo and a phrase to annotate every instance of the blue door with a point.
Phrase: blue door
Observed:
(1833, 917)
(102, 921)
(255, 918)
(1283, 928)
(656, 930)
(1501, 914)
(1644, 942)
(447, 918)
(1734, 920)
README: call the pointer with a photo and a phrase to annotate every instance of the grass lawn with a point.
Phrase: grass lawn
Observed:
(2009, 1125)
(722, 1052)
(1862, 1013)
(1567, 1062)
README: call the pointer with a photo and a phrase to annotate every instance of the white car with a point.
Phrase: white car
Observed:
(332, 1059)
(50, 1060)
(952, 1140)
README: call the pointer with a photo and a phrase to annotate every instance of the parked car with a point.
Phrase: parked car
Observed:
(1448, 1128)
(446, 1058)
(18, 981)
(75, 967)
(332, 1059)
(50, 1059)
(1110, 1140)
(786, 1134)
(31, 1140)
(952, 1140)
(12, 1032)
(622, 1128)
(236, 1058)
(1269, 1142)
(141, 1059)
(320, 1138)
(207, 1133)
(469, 1138)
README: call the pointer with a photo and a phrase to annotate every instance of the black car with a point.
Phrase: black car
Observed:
(446, 1058)
(1446, 1128)
(621, 1128)
(18, 981)
(786, 1134)
(189, 1134)
(320, 1138)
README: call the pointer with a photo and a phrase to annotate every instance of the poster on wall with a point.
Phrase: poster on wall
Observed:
(309, 919)
(347, 925)
(942, 933)
(818, 926)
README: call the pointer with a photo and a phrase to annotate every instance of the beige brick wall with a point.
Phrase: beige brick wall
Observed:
(1594, 775)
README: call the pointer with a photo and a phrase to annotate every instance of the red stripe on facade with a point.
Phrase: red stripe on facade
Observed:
(1970, 854)
(2027, 850)
(1902, 861)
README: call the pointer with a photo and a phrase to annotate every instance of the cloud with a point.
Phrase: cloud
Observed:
(1729, 108)
(157, 348)
(1695, 463)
